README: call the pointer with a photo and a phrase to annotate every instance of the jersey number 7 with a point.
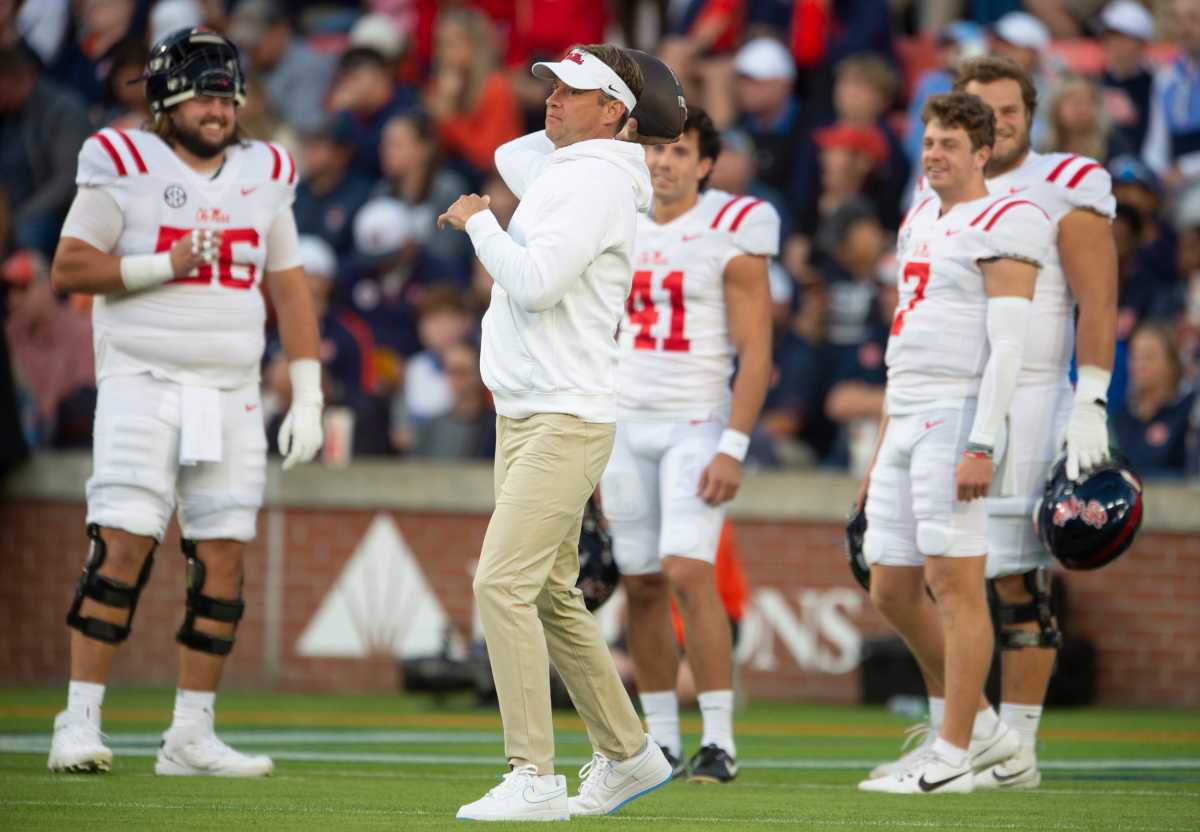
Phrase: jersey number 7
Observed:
(168, 235)
(920, 273)
(641, 310)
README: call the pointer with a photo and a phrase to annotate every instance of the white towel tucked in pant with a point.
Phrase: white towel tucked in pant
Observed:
(200, 425)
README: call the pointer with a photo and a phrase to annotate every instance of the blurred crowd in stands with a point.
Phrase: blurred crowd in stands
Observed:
(393, 108)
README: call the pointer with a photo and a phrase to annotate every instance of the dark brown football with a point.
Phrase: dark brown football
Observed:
(660, 111)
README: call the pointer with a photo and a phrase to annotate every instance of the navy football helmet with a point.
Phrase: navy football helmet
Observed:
(598, 573)
(1089, 522)
(856, 531)
(192, 62)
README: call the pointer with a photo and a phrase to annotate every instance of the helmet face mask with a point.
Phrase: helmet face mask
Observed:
(856, 532)
(190, 63)
(1089, 522)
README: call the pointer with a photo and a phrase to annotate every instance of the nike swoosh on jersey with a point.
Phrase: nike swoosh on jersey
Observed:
(248, 191)
(926, 786)
(687, 238)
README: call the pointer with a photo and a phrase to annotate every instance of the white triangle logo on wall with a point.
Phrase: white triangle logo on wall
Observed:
(381, 605)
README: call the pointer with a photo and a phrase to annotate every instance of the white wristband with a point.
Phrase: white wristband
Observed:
(306, 381)
(141, 271)
(733, 443)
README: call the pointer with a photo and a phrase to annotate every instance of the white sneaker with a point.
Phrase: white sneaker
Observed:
(919, 738)
(930, 775)
(77, 746)
(1017, 772)
(522, 795)
(1001, 745)
(194, 750)
(607, 786)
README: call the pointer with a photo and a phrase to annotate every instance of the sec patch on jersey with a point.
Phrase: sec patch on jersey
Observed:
(661, 110)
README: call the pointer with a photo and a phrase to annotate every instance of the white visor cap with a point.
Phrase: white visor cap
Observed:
(584, 71)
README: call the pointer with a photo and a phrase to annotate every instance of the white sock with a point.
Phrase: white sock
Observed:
(952, 754)
(937, 712)
(716, 706)
(194, 707)
(662, 719)
(1023, 719)
(86, 699)
(985, 723)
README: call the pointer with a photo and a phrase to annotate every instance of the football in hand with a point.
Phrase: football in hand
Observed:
(660, 111)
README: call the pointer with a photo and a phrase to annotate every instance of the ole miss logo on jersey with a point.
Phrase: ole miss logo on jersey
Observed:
(1091, 512)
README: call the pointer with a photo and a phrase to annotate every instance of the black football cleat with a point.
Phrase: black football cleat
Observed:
(711, 764)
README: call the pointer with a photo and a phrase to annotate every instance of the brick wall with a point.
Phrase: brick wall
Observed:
(807, 617)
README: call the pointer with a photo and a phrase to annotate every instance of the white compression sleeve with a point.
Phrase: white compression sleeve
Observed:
(283, 243)
(1007, 325)
(95, 218)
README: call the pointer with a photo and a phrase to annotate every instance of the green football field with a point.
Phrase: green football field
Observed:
(401, 763)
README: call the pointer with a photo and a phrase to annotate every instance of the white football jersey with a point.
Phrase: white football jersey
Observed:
(676, 357)
(938, 344)
(1059, 183)
(205, 328)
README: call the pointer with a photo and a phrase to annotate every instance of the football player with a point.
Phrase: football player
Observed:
(174, 228)
(968, 263)
(699, 300)
(1080, 268)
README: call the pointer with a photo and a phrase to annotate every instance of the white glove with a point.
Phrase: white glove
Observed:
(300, 435)
(1087, 430)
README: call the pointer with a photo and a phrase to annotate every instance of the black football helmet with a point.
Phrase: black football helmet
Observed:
(1089, 522)
(191, 62)
(856, 532)
(598, 573)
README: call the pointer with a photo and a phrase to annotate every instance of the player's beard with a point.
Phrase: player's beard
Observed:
(998, 164)
(191, 141)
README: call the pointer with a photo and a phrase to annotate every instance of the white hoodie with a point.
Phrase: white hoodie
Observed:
(562, 274)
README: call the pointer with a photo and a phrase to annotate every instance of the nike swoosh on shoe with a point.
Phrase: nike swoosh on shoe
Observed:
(926, 786)
(1004, 778)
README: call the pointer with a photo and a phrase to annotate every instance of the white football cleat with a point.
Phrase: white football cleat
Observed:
(919, 738)
(195, 751)
(77, 746)
(1017, 772)
(929, 775)
(1003, 744)
(608, 785)
(523, 794)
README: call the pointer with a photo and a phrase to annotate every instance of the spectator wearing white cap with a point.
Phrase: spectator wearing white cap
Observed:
(771, 115)
(1172, 146)
(1021, 37)
(1126, 28)
(294, 75)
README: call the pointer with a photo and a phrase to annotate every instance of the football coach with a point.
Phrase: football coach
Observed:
(562, 273)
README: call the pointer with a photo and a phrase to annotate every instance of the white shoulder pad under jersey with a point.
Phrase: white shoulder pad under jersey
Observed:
(1060, 183)
(752, 224)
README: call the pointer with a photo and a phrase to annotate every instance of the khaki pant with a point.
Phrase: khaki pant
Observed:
(546, 468)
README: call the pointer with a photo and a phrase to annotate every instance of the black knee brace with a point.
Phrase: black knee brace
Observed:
(106, 591)
(200, 605)
(1037, 583)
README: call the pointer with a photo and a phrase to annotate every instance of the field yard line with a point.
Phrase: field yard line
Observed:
(748, 728)
(40, 743)
(295, 808)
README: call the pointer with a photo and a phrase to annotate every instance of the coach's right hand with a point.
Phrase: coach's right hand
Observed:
(190, 250)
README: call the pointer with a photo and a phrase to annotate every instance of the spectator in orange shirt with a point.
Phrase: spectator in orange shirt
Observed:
(471, 100)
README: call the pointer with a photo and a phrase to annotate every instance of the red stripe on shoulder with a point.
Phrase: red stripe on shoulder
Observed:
(1054, 174)
(1012, 204)
(112, 152)
(742, 214)
(989, 207)
(278, 160)
(137, 157)
(292, 168)
(913, 213)
(1082, 172)
(721, 214)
